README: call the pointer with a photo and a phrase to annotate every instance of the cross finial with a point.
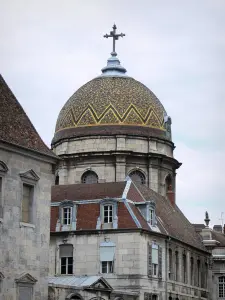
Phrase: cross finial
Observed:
(115, 36)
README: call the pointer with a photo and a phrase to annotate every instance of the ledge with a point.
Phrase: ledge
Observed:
(22, 224)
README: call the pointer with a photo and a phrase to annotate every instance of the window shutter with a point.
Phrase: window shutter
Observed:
(26, 203)
(25, 293)
(66, 250)
(149, 260)
(107, 251)
(160, 263)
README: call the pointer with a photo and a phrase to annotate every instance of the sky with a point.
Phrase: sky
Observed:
(49, 48)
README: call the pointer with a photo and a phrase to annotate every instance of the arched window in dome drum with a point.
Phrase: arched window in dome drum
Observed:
(168, 183)
(89, 177)
(137, 176)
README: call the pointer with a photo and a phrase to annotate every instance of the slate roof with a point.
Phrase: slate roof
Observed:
(15, 126)
(171, 220)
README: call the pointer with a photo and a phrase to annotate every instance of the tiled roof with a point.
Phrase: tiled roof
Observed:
(111, 101)
(174, 221)
(15, 126)
(171, 220)
(218, 236)
(87, 191)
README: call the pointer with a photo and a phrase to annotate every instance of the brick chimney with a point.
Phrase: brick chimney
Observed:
(171, 195)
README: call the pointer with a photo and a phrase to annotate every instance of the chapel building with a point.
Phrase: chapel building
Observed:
(116, 230)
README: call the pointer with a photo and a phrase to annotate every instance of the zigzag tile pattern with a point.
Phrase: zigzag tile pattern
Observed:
(112, 101)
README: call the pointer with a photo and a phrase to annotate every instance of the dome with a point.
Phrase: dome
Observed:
(112, 103)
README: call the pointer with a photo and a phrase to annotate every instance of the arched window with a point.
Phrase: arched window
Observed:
(89, 177)
(137, 176)
(168, 183)
(221, 286)
(57, 179)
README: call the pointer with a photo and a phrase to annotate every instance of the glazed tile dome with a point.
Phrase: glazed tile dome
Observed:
(112, 104)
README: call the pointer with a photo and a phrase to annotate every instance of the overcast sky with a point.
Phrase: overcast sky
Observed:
(49, 48)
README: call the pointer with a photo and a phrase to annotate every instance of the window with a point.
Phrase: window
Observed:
(57, 179)
(107, 253)
(221, 287)
(108, 213)
(137, 176)
(67, 215)
(151, 219)
(25, 292)
(66, 259)
(89, 177)
(168, 183)
(198, 273)
(107, 267)
(155, 260)
(184, 269)
(27, 203)
(192, 270)
(176, 277)
(170, 264)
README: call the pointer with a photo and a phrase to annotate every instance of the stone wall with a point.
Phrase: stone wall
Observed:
(24, 247)
(131, 263)
(113, 158)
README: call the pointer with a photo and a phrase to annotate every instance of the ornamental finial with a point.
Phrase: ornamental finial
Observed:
(115, 37)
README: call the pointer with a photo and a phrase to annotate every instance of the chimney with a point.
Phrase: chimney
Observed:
(171, 195)
(217, 228)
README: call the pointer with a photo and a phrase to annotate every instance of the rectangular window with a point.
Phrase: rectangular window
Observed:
(154, 270)
(25, 292)
(151, 212)
(27, 203)
(67, 215)
(66, 265)
(221, 287)
(108, 214)
(107, 267)
(66, 259)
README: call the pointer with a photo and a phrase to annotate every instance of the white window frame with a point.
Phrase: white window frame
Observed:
(69, 213)
(151, 216)
(221, 284)
(108, 213)
(109, 267)
(67, 265)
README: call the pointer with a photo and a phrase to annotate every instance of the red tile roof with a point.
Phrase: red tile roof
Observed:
(16, 127)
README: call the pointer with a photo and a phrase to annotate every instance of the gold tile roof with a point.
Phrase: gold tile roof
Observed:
(112, 101)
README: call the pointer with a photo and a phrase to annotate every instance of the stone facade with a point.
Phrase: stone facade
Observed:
(24, 247)
(131, 264)
(113, 158)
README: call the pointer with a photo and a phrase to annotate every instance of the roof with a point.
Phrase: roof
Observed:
(171, 220)
(16, 127)
(218, 236)
(111, 101)
(79, 282)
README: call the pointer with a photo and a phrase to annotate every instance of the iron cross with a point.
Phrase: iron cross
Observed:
(115, 36)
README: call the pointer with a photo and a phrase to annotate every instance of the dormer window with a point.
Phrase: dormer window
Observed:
(67, 215)
(151, 216)
(108, 213)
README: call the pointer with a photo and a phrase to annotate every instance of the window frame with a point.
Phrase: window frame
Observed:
(3, 170)
(109, 214)
(101, 221)
(31, 204)
(67, 258)
(139, 173)
(85, 174)
(109, 267)
(70, 208)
